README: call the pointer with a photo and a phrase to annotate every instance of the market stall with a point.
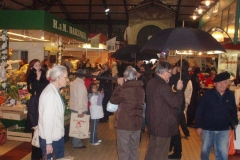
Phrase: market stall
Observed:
(21, 28)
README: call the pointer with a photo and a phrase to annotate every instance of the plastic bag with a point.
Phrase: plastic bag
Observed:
(231, 149)
(112, 107)
(35, 139)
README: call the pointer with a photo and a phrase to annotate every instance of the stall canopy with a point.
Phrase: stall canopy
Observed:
(31, 20)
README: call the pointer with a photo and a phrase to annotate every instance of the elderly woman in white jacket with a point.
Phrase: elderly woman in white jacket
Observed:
(51, 114)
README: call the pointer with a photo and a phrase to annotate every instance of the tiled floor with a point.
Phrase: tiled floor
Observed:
(107, 149)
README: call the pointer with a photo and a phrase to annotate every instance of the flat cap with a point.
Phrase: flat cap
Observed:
(221, 77)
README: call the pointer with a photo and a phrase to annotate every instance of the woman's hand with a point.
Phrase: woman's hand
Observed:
(120, 80)
(199, 131)
(49, 148)
(101, 92)
(179, 85)
(80, 115)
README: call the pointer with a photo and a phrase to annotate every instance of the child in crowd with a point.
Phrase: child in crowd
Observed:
(96, 111)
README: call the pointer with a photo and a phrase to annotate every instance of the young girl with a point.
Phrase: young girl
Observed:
(96, 111)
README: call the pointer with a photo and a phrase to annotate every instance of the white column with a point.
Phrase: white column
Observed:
(60, 46)
(4, 54)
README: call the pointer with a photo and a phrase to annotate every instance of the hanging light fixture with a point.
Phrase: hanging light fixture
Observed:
(194, 16)
(207, 2)
(218, 35)
(200, 10)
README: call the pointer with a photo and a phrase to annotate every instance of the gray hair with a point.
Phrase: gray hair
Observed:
(81, 71)
(162, 67)
(55, 72)
(130, 73)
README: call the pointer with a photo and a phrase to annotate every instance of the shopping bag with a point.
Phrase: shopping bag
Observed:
(112, 107)
(35, 139)
(231, 149)
(79, 127)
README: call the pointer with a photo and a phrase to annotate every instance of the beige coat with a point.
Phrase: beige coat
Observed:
(78, 96)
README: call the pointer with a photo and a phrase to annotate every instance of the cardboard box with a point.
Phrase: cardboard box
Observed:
(12, 134)
(23, 108)
(13, 115)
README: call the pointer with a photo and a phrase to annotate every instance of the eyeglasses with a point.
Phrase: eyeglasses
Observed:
(169, 72)
(65, 77)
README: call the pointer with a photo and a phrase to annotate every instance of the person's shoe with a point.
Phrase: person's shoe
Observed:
(174, 156)
(80, 147)
(95, 144)
(99, 141)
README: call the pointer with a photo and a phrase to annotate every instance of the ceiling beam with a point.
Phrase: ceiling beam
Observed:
(102, 21)
(90, 16)
(177, 12)
(106, 7)
(126, 10)
(25, 6)
(73, 5)
(65, 11)
(88, 13)
(50, 4)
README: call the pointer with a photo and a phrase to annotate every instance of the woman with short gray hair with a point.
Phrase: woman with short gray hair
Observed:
(129, 95)
(51, 114)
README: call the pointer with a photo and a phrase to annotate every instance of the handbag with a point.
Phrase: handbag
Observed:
(35, 139)
(112, 107)
(32, 106)
(231, 149)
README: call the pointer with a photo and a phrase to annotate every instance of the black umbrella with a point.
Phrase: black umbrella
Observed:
(182, 39)
(132, 52)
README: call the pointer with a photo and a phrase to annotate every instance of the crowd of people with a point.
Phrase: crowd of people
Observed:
(164, 100)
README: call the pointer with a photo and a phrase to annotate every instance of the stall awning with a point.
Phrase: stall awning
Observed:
(40, 20)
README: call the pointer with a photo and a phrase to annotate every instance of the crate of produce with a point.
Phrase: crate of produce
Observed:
(13, 115)
(16, 133)
(16, 108)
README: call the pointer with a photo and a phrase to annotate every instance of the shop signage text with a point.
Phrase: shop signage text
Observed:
(71, 30)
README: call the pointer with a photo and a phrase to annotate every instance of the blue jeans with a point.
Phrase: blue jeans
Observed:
(94, 131)
(58, 148)
(220, 140)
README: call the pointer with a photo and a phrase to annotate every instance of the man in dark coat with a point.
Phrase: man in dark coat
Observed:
(176, 139)
(215, 114)
(162, 112)
(106, 86)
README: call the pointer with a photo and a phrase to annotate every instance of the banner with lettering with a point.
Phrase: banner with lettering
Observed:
(95, 41)
(111, 45)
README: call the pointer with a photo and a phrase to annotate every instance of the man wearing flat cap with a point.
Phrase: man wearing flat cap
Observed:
(216, 109)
